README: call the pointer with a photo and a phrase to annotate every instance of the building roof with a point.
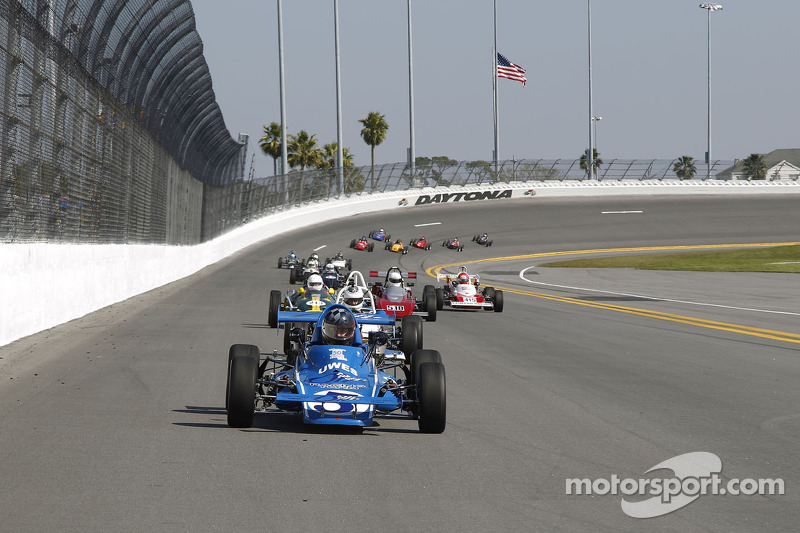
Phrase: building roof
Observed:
(775, 157)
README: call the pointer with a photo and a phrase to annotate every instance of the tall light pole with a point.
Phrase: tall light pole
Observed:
(590, 152)
(339, 148)
(284, 156)
(411, 149)
(709, 8)
(595, 120)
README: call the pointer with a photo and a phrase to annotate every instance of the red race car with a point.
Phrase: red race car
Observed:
(421, 243)
(362, 244)
(453, 244)
(394, 296)
(461, 292)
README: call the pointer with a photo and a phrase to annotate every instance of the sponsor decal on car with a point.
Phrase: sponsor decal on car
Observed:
(395, 307)
(342, 366)
(462, 196)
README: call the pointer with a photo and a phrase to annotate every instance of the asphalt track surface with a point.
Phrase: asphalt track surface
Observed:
(116, 421)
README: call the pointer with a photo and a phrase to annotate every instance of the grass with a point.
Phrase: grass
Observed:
(774, 259)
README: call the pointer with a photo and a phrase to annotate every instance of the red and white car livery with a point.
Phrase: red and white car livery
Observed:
(421, 243)
(461, 292)
(397, 299)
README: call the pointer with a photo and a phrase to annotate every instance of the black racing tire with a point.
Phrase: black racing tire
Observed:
(387, 246)
(411, 340)
(444, 243)
(428, 247)
(431, 398)
(280, 262)
(371, 247)
(460, 248)
(490, 243)
(387, 237)
(241, 391)
(439, 298)
(275, 298)
(422, 356)
(239, 352)
(292, 276)
(353, 243)
(498, 301)
(474, 238)
(287, 328)
(488, 293)
(349, 264)
(429, 301)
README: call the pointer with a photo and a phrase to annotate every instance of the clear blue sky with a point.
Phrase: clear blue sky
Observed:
(649, 75)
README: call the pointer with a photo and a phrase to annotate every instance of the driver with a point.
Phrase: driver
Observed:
(353, 298)
(338, 327)
(330, 277)
(339, 255)
(394, 279)
(462, 278)
(398, 241)
(314, 282)
(484, 236)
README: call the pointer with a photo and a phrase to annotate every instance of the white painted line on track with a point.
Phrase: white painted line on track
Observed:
(318, 248)
(654, 298)
(428, 224)
(620, 212)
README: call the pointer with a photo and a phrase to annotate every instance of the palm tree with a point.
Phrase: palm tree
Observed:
(595, 165)
(302, 150)
(684, 167)
(271, 144)
(374, 133)
(328, 157)
(754, 167)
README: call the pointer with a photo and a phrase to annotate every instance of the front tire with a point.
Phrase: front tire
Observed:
(429, 301)
(412, 335)
(242, 376)
(274, 305)
(280, 262)
(498, 301)
(431, 398)
(292, 276)
(439, 298)
(243, 350)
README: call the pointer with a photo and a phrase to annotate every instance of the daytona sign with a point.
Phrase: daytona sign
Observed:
(462, 196)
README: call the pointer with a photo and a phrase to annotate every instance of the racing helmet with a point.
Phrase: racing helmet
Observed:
(314, 282)
(293, 254)
(339, 255)
(353, 297)
(330, 268)
(463, 278)
(315, 256)
(338, 327)
(394, 278)
(381, 230)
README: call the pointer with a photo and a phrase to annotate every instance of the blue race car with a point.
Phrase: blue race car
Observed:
(336, 384)
(380, 235)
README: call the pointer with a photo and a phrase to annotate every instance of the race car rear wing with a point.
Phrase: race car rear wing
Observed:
(380, 318)
(451, 277)
(384, 273)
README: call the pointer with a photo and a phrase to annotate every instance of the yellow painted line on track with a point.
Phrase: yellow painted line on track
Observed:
(700, 322)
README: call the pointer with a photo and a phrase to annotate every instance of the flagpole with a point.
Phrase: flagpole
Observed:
(496, 155)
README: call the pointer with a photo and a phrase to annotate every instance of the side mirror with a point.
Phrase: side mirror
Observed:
(378, 338)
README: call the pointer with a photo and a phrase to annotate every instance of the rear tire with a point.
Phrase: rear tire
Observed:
(274, 306)
(353, 243)
(498, 301)
(292, 276)
(431, 398)
(280, 262)
(412, 335)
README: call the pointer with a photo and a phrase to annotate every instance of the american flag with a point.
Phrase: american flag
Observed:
(507, 69)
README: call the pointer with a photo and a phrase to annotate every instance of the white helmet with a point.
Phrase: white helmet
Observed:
(394, 278)
(314, 282)
(353, 297)
(330, 268)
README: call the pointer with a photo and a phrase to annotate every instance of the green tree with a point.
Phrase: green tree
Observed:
(328, 157)
(373, 133)
(271, 143)
(302, 150)
(684, 167)
(754, 167)
(597, 163)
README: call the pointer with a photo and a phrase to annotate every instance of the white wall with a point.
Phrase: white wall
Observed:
(43, 285)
